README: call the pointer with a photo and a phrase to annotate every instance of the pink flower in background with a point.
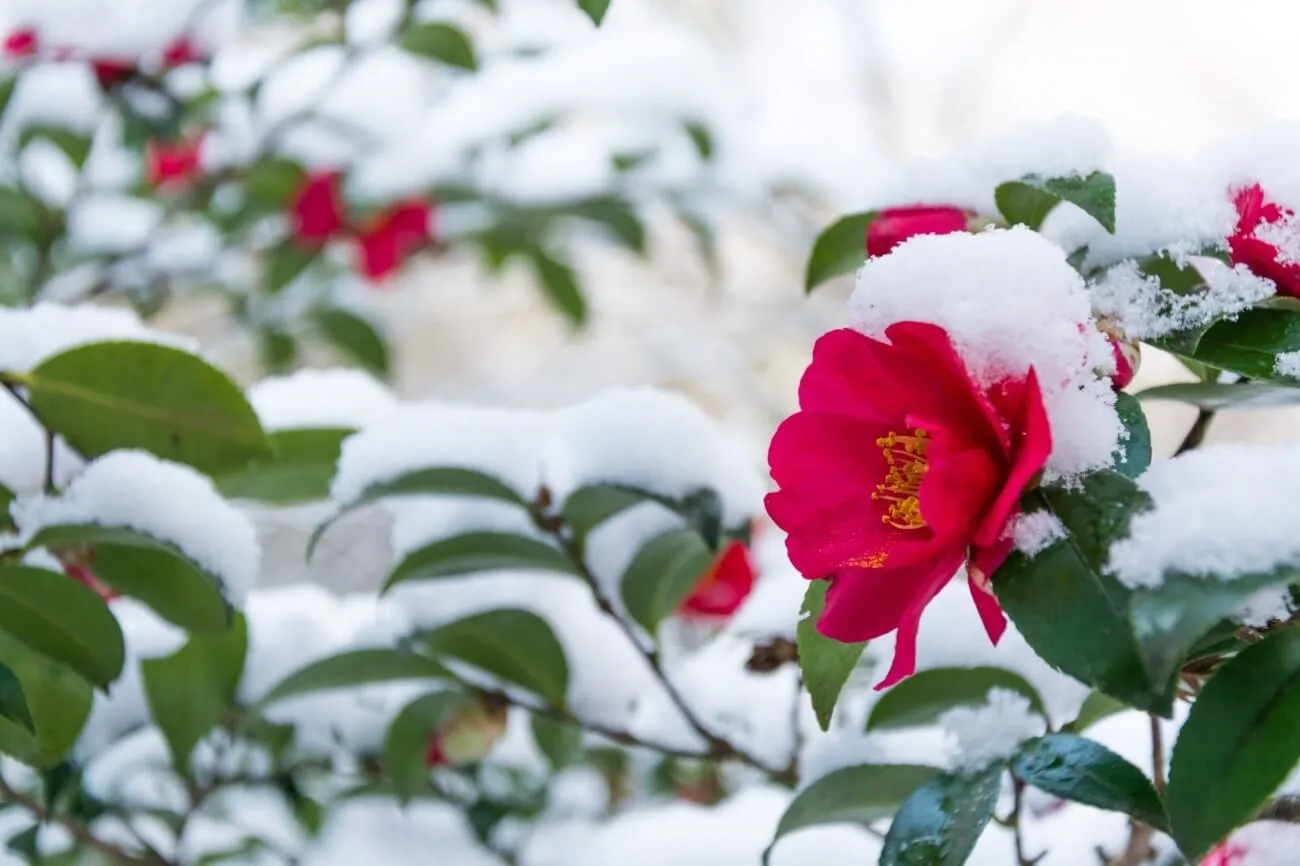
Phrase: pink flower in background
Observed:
(393, 238)
(897, 469)
(172, 164)
(316, 212)
(1227, 854)
(181, 51)
(895, 225)
(21, 43)
(1266, 240)
(725, 586)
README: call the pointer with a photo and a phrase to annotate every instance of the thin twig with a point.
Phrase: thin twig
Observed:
(1196, 433)
(1157, 755)
(78, 831)
(1013, 821)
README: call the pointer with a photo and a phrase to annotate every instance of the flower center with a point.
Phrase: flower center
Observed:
(906, 466)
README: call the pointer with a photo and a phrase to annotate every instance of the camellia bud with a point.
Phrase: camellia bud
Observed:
(469, 733)
(1128, 353)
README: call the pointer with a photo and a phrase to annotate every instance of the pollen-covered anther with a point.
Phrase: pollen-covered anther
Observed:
(906, 467)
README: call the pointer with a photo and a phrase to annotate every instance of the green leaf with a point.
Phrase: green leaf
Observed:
(7, 84)
(1181, 279)
(1082, 771)
(357, 338)
(560, 285)
(1226, 395)
(560, 742)
(20, 214)
(516, 645)
(942, 820)
(1029, 200)
(300, 468)
(284, 263)
(58, 703)
(840, 249)
(616, 216)
(923, 697)
(1172, 617)
(355, 668)
(13, 705)
(662, 574)
(408, 740)
(6, 519)
(476, 552)
(1250, 344)
(439, 41)
(1134, 453)
(587, 507)
(63, 620)
(190, 691)
(435, 481)
(103, 397)
(1238, 744)
(279, 349)
(825, 664)
(701, 138)
(1096, 706)
(152, 570)
(75, 145)
(270, 183)
(853, 795)
(595, 9)
(1072, 612)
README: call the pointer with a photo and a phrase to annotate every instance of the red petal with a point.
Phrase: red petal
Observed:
(957, 489)
(838, 450)
(896, 225)
(316, 212)
(181, 51)
(1031, 446)
(986, 603)
(725, 587)
(110, 72)
(21, 43)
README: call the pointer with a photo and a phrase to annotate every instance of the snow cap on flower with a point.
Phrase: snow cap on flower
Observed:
(1009, 302)
(1266, 239)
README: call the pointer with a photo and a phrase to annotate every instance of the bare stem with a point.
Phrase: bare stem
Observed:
(78, 831)
(1196, 433)
(1157, 755)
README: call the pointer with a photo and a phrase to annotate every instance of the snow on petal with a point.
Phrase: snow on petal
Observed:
(164, 500)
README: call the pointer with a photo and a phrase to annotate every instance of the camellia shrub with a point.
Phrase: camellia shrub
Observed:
(1017, 639)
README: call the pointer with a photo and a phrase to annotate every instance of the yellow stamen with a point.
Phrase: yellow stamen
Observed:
(905, 459)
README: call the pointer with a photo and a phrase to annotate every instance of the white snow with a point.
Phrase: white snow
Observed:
(1036, 531)
(1266, 843)
(1009, 302)
(1144, 309)
(321, 398)
(163, 500)
(29, 336)
(991, 732)
(1287, 364)
(1222, 511)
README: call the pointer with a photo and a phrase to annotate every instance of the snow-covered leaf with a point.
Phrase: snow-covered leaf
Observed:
(1082, 771)
(840, 249)
(1029, 200)
(355, 668)
(517, 646)
(824, 664)
(595, 9)
(103, 397)
(857, 795)
(63, 620)
(476, 552)
(300, 468)
(191, 690)
(926, 695)
(1250, 344)
(1237, 745)
(1134, 453)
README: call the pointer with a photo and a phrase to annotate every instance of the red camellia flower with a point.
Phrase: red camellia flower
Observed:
(179, 52)
(110, 71)
(393, 238)
(317, 210)
(172, 164)
(897, 469)
(725, 586)
(1267, 240)
(895, 225)
(21, 43)
(1227, 854)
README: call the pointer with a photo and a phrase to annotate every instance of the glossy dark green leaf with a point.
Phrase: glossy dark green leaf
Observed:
(190, 691)
(825, 664)
(560, 285)
(587, 507)
(662, 574)
(1082, 771)
(62, 620)
(283, 264)
(355, 668)
(923, 697)
(595, 9)
(57, 701)
(437, 40)
(103, 397)
(1237, 745)
(1029, 200)
(840, 249)
(300, 468)
(1069, 608)
(476, 552)
(356, 337)
(1226, 395)
(151, 570)
(20, 214)
(434, 481)
(516, 645)
(13, 705)
(1096, 706)
(560, 742)
(854, 795)
(1134, 453)
(1250, 344)
(1171, 618)
(943, 819)
(407, 740)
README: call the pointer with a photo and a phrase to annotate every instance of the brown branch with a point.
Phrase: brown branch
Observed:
(1157, 755)
(77, 830)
